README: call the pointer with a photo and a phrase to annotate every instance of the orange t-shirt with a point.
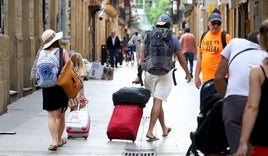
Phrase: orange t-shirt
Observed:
(210, 50)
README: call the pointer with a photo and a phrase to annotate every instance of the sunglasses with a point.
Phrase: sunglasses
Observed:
(216, 23)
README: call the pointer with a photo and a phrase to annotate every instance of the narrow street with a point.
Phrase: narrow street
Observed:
(29, 121)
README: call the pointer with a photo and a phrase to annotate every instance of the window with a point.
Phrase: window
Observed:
(2, 17)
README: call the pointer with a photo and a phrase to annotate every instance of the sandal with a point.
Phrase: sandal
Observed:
(153, 138)
(168, 130)
(52, 147)
(63, 142)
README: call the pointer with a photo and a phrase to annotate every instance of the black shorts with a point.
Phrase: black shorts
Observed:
(54, 98)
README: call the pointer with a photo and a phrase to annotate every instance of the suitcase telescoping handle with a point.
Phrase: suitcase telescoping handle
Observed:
(79, 104)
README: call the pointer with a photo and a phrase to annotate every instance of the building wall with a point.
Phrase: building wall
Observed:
(79, 28)
(23, 26)
(4, 68)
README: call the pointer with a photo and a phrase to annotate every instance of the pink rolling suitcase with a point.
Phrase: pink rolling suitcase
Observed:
(78, 124)
(124, 122)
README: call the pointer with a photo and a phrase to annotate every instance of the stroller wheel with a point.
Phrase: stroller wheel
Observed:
(191, 151)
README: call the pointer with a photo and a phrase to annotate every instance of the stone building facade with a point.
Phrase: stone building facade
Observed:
(23, 22)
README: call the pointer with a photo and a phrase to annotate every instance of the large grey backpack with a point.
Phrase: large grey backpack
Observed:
(159, 51)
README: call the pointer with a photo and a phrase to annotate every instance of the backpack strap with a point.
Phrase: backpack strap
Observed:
(174, 77)
(263, 71)
(223, 39)
(202, 36)
(60, 59)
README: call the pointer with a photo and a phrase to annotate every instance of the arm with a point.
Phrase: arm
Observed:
(33, 70)
(183, 64)
(142, 56)
(251, 110)
(198, 71)
(219, 79)
(66, 56)
(195, 49)
(130, 42)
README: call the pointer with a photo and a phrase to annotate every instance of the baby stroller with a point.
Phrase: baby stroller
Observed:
(209, 136)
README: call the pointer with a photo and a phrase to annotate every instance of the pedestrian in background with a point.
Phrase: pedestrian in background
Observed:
(254, 124)
(188, 46)
(113, 46)
(209, 50)
(211, 45)
(55, 101)
(124, 44)
(161, 85)
(237, 65)
(136, 41)
(80, 69)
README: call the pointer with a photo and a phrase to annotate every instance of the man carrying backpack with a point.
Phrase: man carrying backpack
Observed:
(157, 50)
(210, 49)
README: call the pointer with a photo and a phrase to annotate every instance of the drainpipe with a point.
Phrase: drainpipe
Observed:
(62, 22)
(94, 11)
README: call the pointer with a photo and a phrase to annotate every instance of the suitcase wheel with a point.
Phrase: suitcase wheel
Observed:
(85, 137)
(69, 137)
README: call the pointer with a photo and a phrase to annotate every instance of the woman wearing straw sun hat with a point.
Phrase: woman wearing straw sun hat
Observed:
(55, 101)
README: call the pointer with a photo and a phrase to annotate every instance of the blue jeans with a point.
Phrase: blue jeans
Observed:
(189, 56)
(114, 54)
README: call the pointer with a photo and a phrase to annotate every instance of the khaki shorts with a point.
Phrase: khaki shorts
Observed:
(160, 86)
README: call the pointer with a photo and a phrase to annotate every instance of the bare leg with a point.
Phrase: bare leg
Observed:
(53, 126)
(155, 112)
(161, 119)
(61, 125)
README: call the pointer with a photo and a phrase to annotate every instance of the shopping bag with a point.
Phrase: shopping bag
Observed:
(69, 80)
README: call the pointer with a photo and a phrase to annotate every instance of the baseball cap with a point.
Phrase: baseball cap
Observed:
(215, 17)
(163, 19)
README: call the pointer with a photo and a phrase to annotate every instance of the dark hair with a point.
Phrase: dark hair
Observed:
(187, 29)
(263, 36)
(253, 37)
(55, 44)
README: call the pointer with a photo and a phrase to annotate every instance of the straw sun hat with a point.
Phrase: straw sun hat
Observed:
(50, 36)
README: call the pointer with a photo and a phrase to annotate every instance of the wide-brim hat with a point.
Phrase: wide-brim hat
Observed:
(50, 36)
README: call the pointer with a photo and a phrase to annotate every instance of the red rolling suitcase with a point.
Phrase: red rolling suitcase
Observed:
(124, 122)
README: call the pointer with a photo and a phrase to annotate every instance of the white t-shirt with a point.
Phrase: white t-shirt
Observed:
(238, 82)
